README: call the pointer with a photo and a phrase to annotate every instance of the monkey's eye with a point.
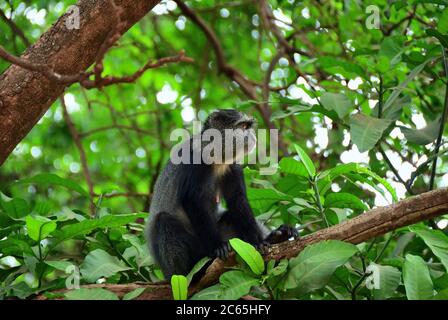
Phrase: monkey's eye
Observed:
(245, 125)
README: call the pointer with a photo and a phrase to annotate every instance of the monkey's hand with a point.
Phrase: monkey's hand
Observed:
(282, 233)
(222, 251)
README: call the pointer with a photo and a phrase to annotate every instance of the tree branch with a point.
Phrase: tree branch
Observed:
(107, 81)
(368, 225)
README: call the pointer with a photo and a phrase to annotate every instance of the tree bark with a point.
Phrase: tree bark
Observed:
(368, 225)
(26, 95)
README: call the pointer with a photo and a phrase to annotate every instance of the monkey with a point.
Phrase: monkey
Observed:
(185, 224)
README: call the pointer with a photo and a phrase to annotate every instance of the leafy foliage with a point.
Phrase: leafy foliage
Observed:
(358, 110)
(249, 254)
(312, 268)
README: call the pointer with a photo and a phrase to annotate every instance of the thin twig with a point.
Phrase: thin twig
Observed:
(442, 124)
(82, 155)
(394, 170)
(14, 28)
(386, 158)
(111, 127)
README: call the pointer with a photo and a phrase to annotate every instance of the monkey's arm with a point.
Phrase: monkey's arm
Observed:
(240, 214)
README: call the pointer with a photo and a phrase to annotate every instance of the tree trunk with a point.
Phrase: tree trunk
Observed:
(26, 95)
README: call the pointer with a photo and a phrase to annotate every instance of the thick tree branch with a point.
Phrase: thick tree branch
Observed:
(368, 225)
(25, 95)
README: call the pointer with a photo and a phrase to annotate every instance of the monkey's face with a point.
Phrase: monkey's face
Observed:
(237, 132)
(244, 138)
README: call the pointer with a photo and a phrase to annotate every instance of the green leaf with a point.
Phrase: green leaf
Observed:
(307, 162)
(43, 208)
(8, 230)
(383, 181)
(392, 47)
(414, 72)
(46, 179)
(436, 240)
(39, 227)
(21, 290)
(366, 131)
(15, 247)
(422, 136)
(344, 200)
(249, 254)
(388, 280)
(210, 293)
(133, 294)
(292, 166)
(198, 266)
(86, 226)
(326, 177)
(443, 38)
(441, 2)
(417, 279)
(280, 268)
(337, 102)
(15, 208)
(90, 294)
(313, 267)
(442, 26)
(179, 286)
(264, 198)
(395, 110)
(280, 114)
(442, 295)
(383, 64)
(60, 264)
(341, 66)
(99, 263)
(236, 284)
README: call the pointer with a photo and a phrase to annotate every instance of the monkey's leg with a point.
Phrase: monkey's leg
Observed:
(175, 249)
